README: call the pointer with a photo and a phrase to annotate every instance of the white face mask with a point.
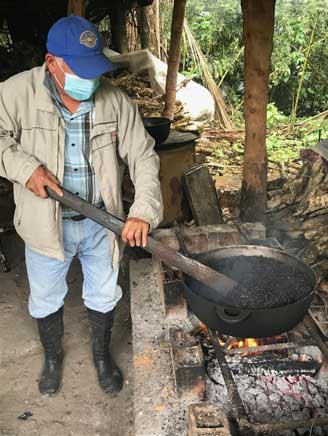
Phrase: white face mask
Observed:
(78, 88)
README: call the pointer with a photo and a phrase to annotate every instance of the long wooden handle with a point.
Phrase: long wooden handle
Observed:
(213, 279)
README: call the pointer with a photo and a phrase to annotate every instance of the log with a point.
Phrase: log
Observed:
(143, 27)
(258, 23)
(179, 10)
(157, 34)
(149, 29)
(76, 7)
(119, 31)
(202, 196)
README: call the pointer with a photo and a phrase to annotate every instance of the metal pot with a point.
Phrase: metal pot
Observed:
(239, 320)
(158, 128)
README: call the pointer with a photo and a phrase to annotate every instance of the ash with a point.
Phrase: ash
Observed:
(271, 398)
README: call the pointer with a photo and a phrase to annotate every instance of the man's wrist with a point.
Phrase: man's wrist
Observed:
(140, 220)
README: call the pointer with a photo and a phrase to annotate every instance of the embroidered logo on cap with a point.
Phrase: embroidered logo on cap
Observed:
(88, 38)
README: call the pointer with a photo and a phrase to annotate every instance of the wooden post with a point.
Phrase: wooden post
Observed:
(158, 28)
(143, 26)
(76, 7)
(258, 23)
(149, 28)
(118, 27)
(179, 10)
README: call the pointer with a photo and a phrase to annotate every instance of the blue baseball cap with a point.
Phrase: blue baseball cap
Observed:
(79, 43)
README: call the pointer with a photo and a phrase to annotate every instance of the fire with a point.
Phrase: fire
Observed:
(248, 343)
(243, 343)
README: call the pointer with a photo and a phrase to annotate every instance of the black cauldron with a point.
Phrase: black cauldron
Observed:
(273, 305)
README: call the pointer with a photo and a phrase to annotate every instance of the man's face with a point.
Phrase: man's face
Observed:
(58, 67)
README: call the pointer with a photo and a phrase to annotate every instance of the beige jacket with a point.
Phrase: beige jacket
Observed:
(33, 133)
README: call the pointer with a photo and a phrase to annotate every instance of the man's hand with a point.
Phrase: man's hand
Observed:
(41, 178)
(135, 232)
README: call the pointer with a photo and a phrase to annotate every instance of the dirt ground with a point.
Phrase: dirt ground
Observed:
(80, 408)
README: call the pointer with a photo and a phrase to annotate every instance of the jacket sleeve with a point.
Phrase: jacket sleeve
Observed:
(136, 148)
(15, 165)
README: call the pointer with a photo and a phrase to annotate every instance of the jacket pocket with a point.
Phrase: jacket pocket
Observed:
(103, 135)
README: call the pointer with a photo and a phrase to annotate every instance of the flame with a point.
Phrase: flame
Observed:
(221, 343)
(248, 343)
(242, 343)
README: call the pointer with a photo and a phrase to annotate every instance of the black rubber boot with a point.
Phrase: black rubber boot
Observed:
(109, 375)
(51, 330)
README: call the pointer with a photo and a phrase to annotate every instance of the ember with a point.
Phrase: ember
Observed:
(276, 380)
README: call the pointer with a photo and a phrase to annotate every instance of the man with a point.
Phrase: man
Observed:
(62, 124)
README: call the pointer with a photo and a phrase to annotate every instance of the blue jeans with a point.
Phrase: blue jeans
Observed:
(47, 276)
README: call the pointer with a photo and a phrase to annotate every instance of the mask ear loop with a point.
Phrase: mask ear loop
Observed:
(54, 74)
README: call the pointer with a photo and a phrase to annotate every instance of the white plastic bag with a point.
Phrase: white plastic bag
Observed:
(197, 100)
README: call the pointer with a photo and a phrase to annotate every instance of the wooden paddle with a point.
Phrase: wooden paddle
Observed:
(211, 278)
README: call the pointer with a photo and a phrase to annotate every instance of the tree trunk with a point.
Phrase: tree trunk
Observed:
(76, 7)
(118, 27)
(143, 27)
(179, 10)
(132, 30)
(157, 40)
(148, 28)
(258, 23)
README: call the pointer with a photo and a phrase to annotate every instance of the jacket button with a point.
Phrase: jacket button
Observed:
(77, 193)
(73, 145)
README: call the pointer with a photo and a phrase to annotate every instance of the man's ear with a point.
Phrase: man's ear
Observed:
(50, 59)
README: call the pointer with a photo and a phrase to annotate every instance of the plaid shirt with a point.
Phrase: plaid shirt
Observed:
(79, 175)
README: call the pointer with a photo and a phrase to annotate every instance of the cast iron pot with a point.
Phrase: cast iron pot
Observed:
(158, 127)
(246, 322)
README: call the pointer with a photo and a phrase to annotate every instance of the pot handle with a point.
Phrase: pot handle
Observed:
(229, 318)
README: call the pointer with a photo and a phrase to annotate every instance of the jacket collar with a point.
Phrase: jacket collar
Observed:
(43, 96)
(101, 95)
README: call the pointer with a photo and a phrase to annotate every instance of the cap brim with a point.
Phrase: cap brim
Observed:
(89, 67)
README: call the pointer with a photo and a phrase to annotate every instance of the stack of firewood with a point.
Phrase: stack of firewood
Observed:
(149, 104)
(300, 208)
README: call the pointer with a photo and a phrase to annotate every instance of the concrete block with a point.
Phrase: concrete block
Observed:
(157, 409)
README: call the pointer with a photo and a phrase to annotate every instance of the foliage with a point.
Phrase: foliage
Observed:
(217, 26)
(295, 21)
(284, 140)
(274, 117)
(285, 146)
